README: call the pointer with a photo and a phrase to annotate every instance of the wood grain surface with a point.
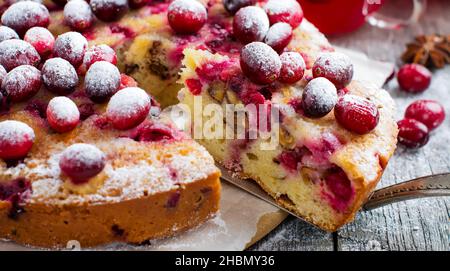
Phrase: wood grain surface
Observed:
(412, 225)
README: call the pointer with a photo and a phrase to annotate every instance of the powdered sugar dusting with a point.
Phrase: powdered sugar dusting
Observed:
(278, 33)
(261, 57)
(7, 33)
(22, 81)
(82, 154)
(63, 109)
(277, 7)
(192, 6)
(14, 131)
(253, 19)
(25, 14)
(71, 46)
(128, 102)
(77, 10)
(102, 79)
(17, 52)
(39, 34)
(60, 73)
(335, 63)
(292, 62)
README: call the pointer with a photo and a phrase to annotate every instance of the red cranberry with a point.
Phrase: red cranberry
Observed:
(412, 133)
(102, 81)
(14, 190)
(59, 76)
(14, 53)
(289, 160)
(153, 132)
(186, 16)
(98, 53)
(7, 33)
(22, 83)
(334, 66)
(414, 78)
(128, 108)
(260, 63)
(23, 15)
(287, 11)
(62, 114)
(250, 24)
(78, 15)
(232, 6)
(109, 10)
(70, 46)
(279, 36)
(194, 86)
(431, 113)
(292, 67)
(341, 188)
(127, 81)
(16, 139)
(135, 4)
(2, 74)
(356, 114)
(41, 39)
(319, 98)
(81, 162)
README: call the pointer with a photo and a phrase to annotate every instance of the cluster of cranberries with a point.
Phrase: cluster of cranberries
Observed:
(421, 117)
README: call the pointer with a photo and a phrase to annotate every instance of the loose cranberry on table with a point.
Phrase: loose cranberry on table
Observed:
(292, 67)
(412, 133)
(41, 39)
(128, 108)
(429, 112)
(59, 76)
(250, 24)
(102, 81)
(186, 16)
(334, 66)
(109, 10)
(78, 15)
(22, 82)
(7, 33)
(70, 46)
(14, 53)
(414, 78)
(81, 161)
(279, 36)
(260, 63)
(16, 139)
(23, 15)
(62, 114)
(232, 6)
(356, 114)
(96, 53)
(319, 98)
(287, 11)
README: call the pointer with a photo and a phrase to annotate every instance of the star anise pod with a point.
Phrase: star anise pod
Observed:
(432, 51)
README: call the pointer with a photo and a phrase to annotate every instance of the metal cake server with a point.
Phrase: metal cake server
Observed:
(428, 186)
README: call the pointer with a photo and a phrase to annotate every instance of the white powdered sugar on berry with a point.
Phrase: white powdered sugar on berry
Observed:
(96, 52)
(254, 18)
(102, 79)
(63, 109)
(7, 33)
(15, 131)
(128, 102)
(83, 154)
(23, 10)
(335, 63)
(277, 33)
(17, 52)
(292, 62)
(321, 91)
(18, 81)
(77, 10)
(262, 57)
(70, 46)
(60, 73)
(192, 6)
(39, 35)
(276, 7)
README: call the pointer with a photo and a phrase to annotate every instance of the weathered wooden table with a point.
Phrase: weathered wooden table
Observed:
(413, 225)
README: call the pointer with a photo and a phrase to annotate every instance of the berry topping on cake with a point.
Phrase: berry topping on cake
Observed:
(232, 6)
(128, 108)
(21, 83)
(356, 114)
(109, 10)
(260, 63)
(334, 66)
(341, 190)
(292, 67)
(287, 11)
(16, 139)
(429, 112)
(62, 114)
(153, 132)
(319, 98)
(81, 162)
(59, 76)
(14, 53)
(279, 36)
(186, 16)
(2, 75)
(96, 53)
(78, 15)
(127, 81)
(414, 78)
(14, 191)
(250, 24)
(23, 15)
(7, 33)
(70, 46)
(412, 133)
(135, 4)
(102, 81)
(41, 39)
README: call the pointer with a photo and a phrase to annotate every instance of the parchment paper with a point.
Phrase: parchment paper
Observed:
(243, 218)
